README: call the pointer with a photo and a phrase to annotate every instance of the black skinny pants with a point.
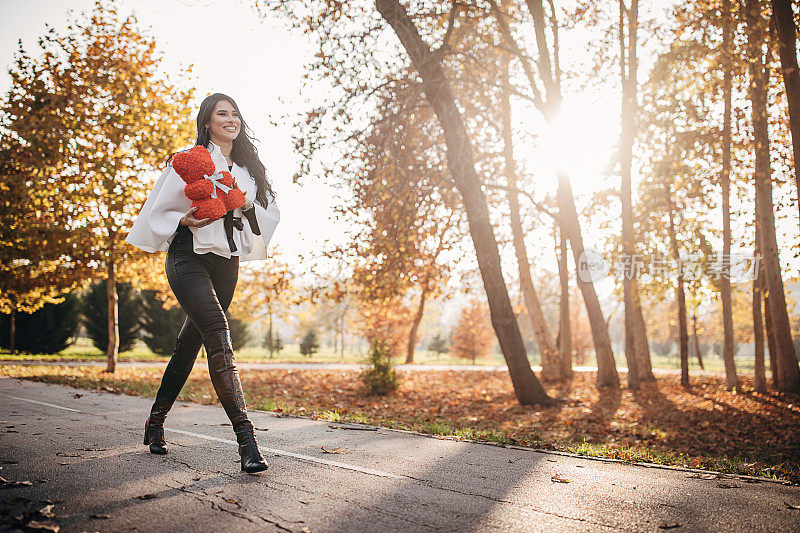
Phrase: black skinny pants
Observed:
(204, 285)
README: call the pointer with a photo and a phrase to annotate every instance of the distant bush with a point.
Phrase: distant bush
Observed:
(379, 376)
(95, 315)
(309, 344)
(240, 332)
(161, 326)
(47, 331)
(438, 344)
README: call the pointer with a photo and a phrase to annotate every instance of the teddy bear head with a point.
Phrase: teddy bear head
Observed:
(194, 164)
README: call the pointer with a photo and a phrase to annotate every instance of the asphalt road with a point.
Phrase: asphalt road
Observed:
(82, 453)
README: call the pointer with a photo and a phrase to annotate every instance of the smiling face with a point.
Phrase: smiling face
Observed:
(224, 125)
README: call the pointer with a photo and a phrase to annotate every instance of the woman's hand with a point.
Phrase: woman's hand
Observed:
(247, 205)
(189, 220)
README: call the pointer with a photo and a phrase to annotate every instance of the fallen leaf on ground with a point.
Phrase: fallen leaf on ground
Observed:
(727, 486)
(146, 496)
(42, 526)
(76, 395)
(703, 476)
(99, 516)
(334, 450)
(556, 478)
(65, 454)
(46, 511)
(261, 429)
(668, 525)
(792, 507)
(4, 483)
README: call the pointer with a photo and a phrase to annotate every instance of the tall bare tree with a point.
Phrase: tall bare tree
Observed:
(637, 351)
(462, 167)
(786, 30)
(551, 369)
(550, 105)
(786, 359)
(731, 380)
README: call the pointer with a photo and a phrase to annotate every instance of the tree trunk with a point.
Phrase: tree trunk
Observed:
(772, 350)
(568, 218)
(564, 327)
(12, 333)
(544, 340)
(788, 371)
(113, 318)
(628, 70)
(683, 334)
(461, 164)
(787, 35)
(412, 335)
(731, 379)
(696, 341)
(760, 378)
(270, 341)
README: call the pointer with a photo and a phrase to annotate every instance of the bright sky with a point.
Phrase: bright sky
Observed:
(259, 63)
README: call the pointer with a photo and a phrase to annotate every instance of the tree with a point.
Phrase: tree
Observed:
(728, 346)
(786, 359)
(472, 336)
(549, 104)
(160, 325)
(438, 344)
(786, 31)
(49, 330)
(461, 165)
(551, 369)
(95, 315)
(34, 270)
(95, 103)
(240, 332)
(277, 343)
(266, 291)
(637, 351)
(309, 344)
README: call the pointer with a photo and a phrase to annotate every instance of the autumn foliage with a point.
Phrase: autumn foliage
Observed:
(473, 336)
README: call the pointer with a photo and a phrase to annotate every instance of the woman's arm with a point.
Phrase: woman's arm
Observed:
(161, 214)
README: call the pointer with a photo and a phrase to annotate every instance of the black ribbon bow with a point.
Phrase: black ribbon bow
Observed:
(230, 222)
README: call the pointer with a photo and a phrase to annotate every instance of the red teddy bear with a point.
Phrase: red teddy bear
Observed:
(195, 167)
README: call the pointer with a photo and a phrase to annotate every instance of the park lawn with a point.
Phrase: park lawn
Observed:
(83, 350)
(704, 427)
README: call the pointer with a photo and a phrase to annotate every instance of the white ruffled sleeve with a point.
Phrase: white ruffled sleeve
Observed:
(267, 220)
(158, 221)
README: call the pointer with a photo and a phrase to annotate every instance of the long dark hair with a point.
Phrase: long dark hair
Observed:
(244, 152)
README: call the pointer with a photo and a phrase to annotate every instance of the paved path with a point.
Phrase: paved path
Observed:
(244, 365)
(82, 451)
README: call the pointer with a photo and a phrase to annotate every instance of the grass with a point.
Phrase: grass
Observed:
(83, 350)
(704, 427)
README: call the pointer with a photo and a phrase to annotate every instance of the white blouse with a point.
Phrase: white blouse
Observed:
(157, 223)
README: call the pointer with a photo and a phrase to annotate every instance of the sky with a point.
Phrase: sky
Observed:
(257, 62)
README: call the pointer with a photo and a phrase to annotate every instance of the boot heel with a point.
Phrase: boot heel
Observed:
(252, 461)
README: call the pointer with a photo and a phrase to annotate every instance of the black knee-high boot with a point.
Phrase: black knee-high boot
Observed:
(225, 378)
(175, 376)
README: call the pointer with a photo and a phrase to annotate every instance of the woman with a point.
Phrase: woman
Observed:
(202, 267)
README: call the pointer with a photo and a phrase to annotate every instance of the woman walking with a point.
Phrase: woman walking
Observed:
(202, 265)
